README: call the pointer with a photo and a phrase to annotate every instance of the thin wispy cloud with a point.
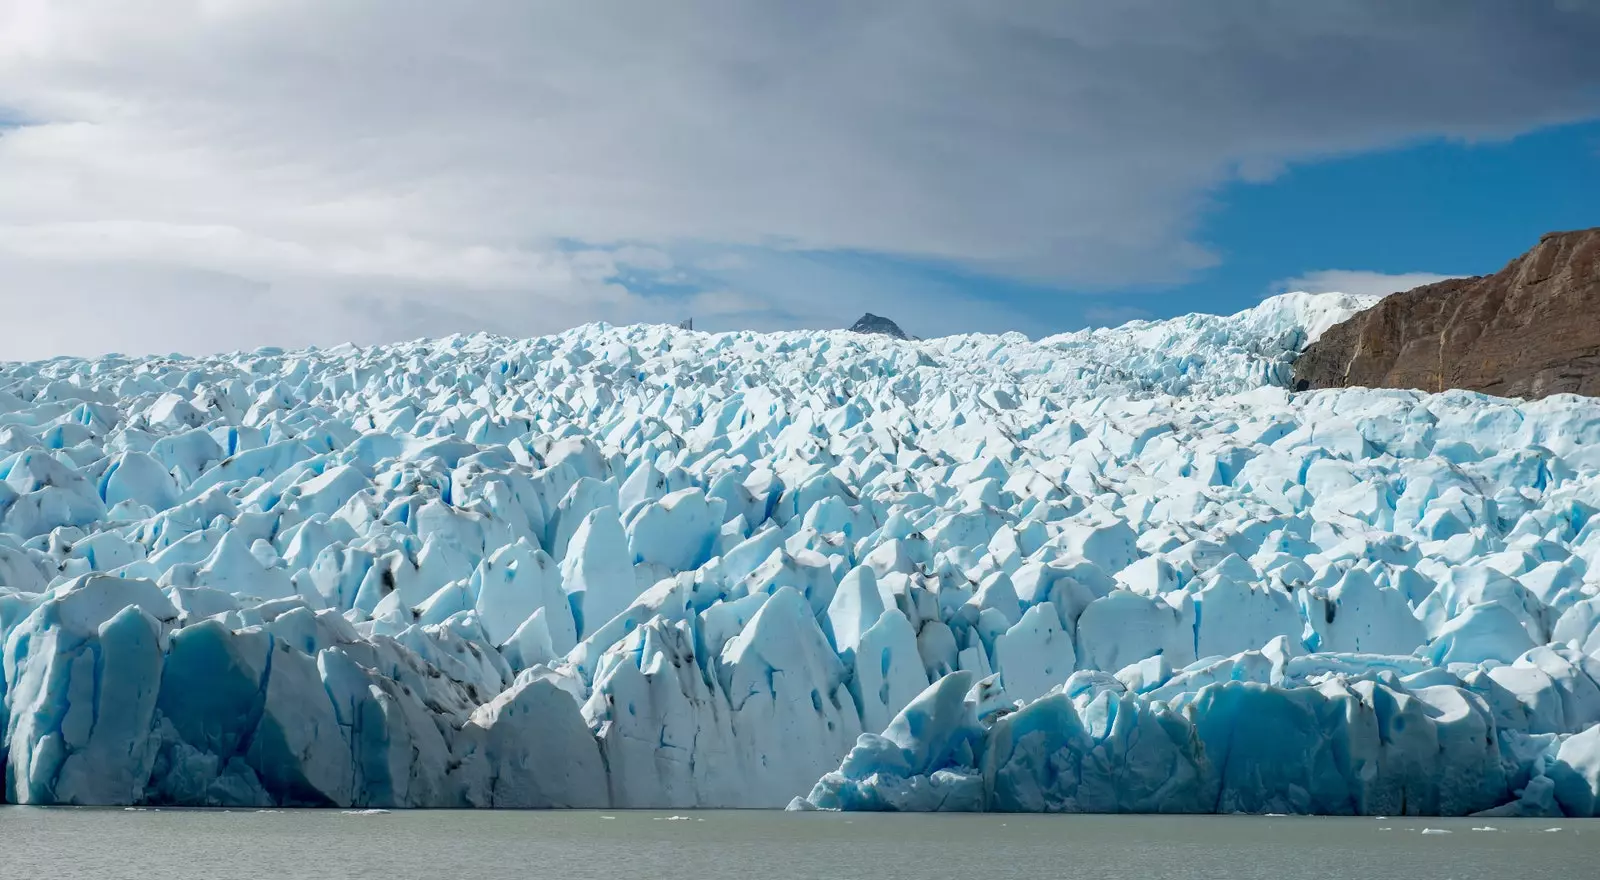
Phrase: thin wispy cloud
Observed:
(1115, 316)
(1357, 282)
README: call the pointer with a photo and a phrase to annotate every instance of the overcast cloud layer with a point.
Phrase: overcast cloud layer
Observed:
(222, 173)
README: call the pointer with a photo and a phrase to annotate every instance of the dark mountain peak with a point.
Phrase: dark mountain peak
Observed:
(882, 326)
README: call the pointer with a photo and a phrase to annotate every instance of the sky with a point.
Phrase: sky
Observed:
(204, 175)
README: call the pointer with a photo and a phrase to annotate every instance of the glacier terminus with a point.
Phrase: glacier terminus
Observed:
(1118, 570)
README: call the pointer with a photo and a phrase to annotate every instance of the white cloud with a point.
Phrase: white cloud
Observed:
(519, 164)
(1358, 282)
(1115, 316)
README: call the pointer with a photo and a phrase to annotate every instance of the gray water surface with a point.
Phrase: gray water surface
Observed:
(66, 844)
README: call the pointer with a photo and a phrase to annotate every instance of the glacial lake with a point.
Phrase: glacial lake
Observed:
(67, 844)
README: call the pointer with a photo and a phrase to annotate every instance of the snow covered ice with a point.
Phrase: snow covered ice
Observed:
(1114, 570)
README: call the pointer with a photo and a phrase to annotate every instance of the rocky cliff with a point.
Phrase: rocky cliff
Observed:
(1530, 330)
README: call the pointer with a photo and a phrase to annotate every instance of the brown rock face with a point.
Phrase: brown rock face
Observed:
(1530, 330)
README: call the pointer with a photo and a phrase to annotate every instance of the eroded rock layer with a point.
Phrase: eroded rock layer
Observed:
(1530, 330)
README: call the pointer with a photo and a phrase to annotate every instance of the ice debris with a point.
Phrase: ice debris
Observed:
(650, 567)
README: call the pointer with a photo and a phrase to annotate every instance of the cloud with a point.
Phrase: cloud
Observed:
(496, 161)
(1357, 282)
(1115, 316)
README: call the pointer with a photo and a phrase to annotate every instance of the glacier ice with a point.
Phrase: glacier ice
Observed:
(1113, 570)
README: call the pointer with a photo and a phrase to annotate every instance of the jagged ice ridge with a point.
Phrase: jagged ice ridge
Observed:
(1113, 570)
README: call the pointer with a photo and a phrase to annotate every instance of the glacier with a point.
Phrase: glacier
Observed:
(1117, 570)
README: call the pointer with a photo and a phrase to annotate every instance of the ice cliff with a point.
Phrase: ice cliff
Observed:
(645, 566)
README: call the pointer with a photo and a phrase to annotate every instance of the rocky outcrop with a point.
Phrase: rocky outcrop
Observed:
(1530, 330)
(870, 323)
